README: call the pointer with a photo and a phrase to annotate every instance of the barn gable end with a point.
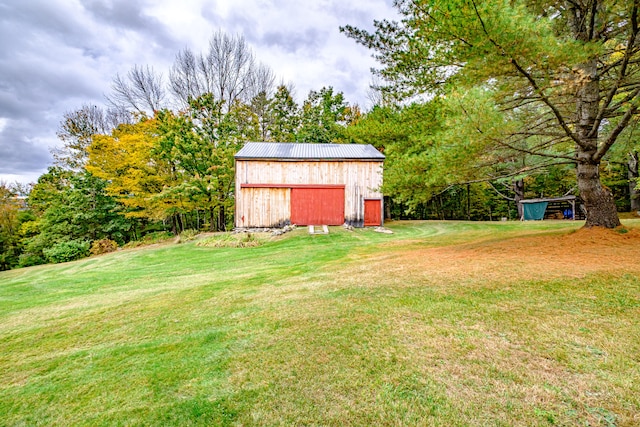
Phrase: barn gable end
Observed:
(308, 184)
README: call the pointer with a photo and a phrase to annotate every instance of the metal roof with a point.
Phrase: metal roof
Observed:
(549, 199)
(303, 151)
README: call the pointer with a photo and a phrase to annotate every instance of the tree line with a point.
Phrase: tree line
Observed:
(159, 157)
(527, 85)
(477, 105)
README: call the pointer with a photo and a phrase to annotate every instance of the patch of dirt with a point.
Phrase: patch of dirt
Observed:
(577, 254)
(601, 235)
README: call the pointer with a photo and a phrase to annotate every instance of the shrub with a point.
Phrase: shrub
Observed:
(132, 244)
(188, 235)
(29, 228)
(231, 241)
(8, 259)
(30, 259)
(67, 251)
(157, 236)
(150, 239)
(103, 246)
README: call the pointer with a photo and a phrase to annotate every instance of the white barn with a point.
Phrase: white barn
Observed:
(308, 184)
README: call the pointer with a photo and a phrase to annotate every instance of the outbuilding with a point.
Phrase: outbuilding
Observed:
(564, 207)
(278, 184)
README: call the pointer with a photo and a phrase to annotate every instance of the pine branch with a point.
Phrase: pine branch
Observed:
(532, 81)
(511, 199)
(616, 131)
(622, 73)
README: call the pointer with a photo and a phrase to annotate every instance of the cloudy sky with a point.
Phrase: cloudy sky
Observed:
(57, 55)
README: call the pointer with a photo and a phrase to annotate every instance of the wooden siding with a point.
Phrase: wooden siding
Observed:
(263, 207)
(291, 186)
(361, 180)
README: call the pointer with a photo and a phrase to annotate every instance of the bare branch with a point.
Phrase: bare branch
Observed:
(142, 90)
(228, 70)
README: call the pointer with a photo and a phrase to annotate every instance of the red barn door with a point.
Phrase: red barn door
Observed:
(372, 212)
(317, 206)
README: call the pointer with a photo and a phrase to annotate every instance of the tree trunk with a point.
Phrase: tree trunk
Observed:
(212, 219)
(518, 189)
(469, 202)
(387, 207)
(222, 223)
(598, 200)
(634, 193)
(174, 225)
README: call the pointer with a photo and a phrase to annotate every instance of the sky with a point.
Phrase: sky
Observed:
(58, 55)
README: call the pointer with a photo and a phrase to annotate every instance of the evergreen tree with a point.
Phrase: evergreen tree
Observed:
(284, 116)
(538, 77)
(323, 117)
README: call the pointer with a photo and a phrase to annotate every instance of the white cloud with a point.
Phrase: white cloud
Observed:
(57, 55)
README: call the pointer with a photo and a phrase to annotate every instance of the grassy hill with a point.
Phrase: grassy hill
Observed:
(440, 323)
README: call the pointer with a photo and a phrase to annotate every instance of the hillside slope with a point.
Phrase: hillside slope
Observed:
(440, 323)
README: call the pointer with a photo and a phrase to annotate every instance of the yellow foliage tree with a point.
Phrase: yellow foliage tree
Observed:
(126, 160)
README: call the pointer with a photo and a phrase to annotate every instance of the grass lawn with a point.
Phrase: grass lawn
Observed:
(440, 323)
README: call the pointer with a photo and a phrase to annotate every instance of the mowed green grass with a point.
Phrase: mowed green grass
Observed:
(351, 328)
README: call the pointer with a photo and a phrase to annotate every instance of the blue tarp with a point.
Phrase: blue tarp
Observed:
(534, 211)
